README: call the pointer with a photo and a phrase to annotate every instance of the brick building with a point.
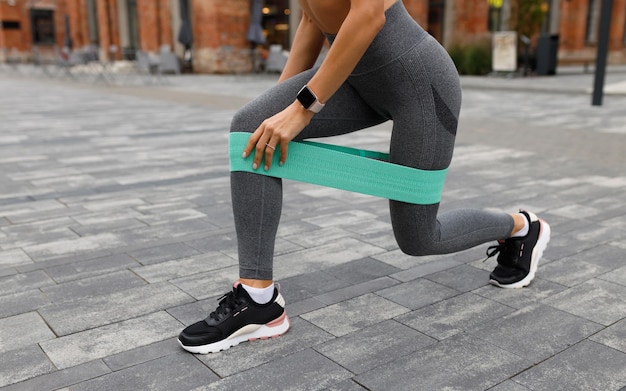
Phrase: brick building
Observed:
(118, 28)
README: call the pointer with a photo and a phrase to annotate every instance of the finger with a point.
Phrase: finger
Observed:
(283, 153)
(252, 141)
(269, 155)
(270, 149)
(259, 151)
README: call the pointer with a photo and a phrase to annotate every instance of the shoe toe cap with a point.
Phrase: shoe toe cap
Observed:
(506, 275)
(199, 333)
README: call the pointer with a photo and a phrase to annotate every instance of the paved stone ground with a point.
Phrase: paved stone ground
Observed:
(116, 232)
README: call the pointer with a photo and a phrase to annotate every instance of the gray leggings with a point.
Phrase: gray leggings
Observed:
(407, 77)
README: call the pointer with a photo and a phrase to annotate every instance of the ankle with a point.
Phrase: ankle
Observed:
(256, 283)
(260, 295)
(520, 225)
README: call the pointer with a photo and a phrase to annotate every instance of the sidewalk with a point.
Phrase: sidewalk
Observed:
(116, 232)
(568, 80)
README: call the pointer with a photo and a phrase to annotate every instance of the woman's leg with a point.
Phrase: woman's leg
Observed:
(257, 199)
(257, 204)
(423, 137)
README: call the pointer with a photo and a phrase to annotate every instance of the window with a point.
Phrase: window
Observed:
(495, 19)
(10, 25)
(625, 32)
(43, 26)
(92, 21)
(276, 22)
(133, 24)
(593, 19)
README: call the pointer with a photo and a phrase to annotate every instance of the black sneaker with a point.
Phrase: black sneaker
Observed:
(519, 256)
(237, 319)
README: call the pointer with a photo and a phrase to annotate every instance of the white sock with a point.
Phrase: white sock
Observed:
(523, 231)
(260, 295)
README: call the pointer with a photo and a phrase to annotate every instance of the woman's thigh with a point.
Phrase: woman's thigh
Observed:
(344, 112)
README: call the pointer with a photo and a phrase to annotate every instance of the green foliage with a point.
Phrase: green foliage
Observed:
(527, 16)
(472, 58)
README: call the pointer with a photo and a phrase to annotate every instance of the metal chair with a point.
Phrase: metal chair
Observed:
(168, 61)
(276, 59)
(148, 65)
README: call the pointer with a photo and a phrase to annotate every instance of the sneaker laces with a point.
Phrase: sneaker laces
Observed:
(227, 304)
(508, 252)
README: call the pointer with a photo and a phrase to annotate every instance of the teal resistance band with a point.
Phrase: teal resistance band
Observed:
(345, 168)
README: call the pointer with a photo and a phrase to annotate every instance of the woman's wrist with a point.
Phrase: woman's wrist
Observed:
(301, 110)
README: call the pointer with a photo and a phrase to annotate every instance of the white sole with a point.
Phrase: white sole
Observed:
(250, 332)
(542, 243)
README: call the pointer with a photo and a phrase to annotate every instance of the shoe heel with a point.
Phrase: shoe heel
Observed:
(273, 329)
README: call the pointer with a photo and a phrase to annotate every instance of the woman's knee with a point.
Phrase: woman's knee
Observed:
(418, 248)
(415, 239)
(245, 120)
(415, 228)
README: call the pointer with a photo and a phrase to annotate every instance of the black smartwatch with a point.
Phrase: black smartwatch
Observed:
(308, 100)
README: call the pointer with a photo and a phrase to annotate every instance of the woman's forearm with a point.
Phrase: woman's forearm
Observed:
(356, 34)
(307, 44)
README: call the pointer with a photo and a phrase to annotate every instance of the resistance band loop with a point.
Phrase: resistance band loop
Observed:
(345, 168)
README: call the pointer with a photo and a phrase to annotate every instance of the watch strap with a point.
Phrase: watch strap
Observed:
(309, 100)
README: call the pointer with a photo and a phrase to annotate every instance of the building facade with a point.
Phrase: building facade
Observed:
(218, 37)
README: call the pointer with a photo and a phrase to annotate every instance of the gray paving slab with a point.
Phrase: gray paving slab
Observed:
(160, 374)
(353, 291)
(509, 385)
(597, 300)
(184, 267)
(574, 370)
(536, 292)
(463, 278)
(80, 269)
(142, 354)
(417, 293)
(24, 363)
(374, 346)
(23, 282)
(22, 330)
(302, 335)
(208, 284)
(116, 231)
(314, 372)
(93, 286)
(460, 362)
(100, 342)
(613, 336)
(22, 302)
(446, 318)
(163, 253)
(66, 318)
(347, 385)
(517, 332)
(354, 314)
(59, 380)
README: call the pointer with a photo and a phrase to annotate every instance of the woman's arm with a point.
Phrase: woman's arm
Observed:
(365, 19)
(305, 50)
(363, 22)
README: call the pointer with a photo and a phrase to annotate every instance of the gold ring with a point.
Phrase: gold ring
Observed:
(269, 146)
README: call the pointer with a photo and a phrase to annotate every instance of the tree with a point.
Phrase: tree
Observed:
(527, 16)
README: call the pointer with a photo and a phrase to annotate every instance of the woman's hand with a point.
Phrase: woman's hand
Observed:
(279, 129)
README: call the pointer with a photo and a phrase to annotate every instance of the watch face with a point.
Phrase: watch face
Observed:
(306, 97)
